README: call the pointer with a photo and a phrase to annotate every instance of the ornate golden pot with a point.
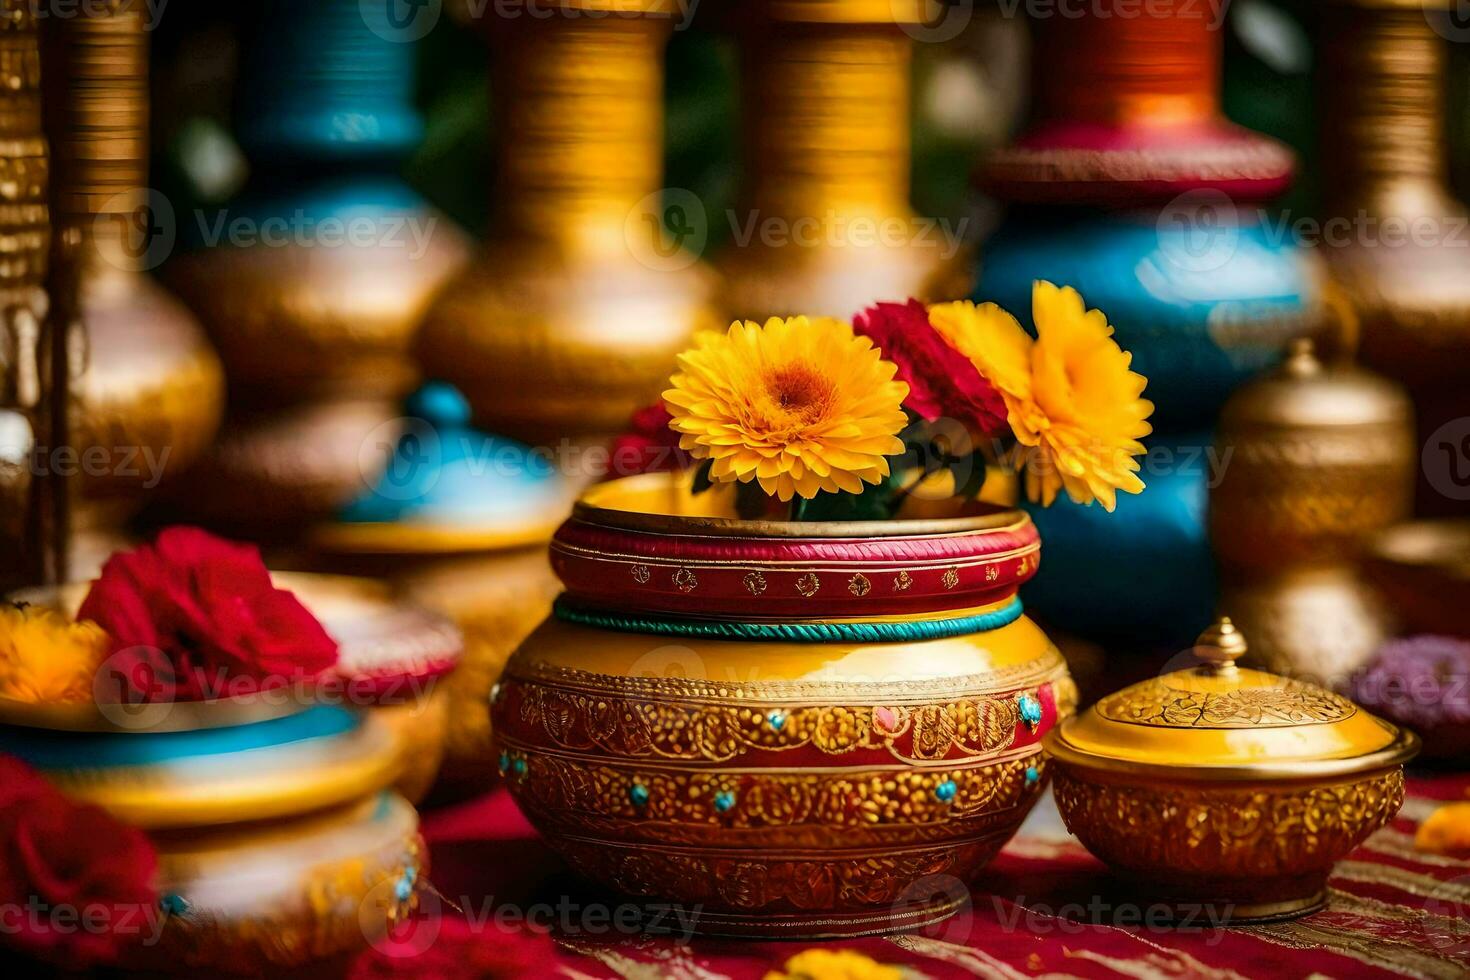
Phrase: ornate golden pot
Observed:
(1314, 458)
(790, 729)
(396, 658)
(1227, 787)
(280, 840)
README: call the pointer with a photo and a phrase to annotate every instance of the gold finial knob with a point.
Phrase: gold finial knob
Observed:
(1301, 358)
(1220, 646)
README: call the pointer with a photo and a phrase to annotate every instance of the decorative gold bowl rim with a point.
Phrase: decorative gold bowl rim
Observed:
(1405, 746)
(1433, 545)
(593, 507)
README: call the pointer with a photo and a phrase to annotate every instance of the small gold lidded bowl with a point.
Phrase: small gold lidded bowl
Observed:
(1226, 787)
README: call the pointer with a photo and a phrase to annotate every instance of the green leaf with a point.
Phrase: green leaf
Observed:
(702, 481)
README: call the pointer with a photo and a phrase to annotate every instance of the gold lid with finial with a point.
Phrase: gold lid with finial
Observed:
(1218, 721)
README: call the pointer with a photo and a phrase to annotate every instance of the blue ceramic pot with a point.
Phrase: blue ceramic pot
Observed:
(1203, 303)
(1143, 574)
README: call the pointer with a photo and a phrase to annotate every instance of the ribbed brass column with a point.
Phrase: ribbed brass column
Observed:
(570, 318)
(24, 237)
(1401, 250)
(823, 223)
(149, 390)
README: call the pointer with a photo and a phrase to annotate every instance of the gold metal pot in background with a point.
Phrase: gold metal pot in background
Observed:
(1401, 259)
(149, 390)
(1314, 459)
(823, 225)
(569, 320)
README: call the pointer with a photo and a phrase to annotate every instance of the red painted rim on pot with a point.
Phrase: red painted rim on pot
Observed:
(635, 561)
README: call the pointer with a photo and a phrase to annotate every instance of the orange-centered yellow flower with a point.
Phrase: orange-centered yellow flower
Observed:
(45, 658)
(1070, 395)
(799, 405)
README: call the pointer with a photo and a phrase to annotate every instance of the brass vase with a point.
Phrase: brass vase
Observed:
(25, 231)
(147, 390)
(314, 308)
(1316, 458)
(1402, 259)
(569, 319)
(823, 224)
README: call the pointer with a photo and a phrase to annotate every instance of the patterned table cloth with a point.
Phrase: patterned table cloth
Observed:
(506, 907)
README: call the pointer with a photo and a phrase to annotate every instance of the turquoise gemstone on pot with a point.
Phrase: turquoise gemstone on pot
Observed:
(946, 791)
(638, 793)
(519, 767)
(724, 801)
(1032, 775)
(777, 720)
(1030, 710)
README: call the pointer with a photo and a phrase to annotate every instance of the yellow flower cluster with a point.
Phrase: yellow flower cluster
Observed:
(805, 406)
(46, 658)
(799, 405)
(1071, 397)
(834, 964)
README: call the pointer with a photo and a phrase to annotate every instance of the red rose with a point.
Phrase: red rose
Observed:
(194, 616)
(943, 383)
(650, 446)
(77, 884)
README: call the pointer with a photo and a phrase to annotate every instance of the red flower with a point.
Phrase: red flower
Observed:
(943, 383)
(79, 884)
(650, 446)
(195, 616)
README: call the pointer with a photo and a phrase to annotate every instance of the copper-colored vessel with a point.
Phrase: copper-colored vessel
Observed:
(823, 224)
(148, 390)
(1315, 458)
(570, 318)
(1402, 260)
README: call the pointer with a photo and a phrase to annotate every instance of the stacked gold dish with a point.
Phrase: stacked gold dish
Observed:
(1225, 787)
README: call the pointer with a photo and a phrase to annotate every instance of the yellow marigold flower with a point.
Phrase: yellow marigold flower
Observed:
(1446, 831)
(46, 658)
(834, 964)
(799, 405)
(1070, 395)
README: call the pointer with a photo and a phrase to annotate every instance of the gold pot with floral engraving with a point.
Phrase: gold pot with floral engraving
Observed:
(790, 728)
(1225, 786)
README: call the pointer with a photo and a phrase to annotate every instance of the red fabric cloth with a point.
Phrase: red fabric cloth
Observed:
(1392, 912)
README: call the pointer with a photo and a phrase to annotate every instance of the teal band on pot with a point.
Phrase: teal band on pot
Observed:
(898, 632)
